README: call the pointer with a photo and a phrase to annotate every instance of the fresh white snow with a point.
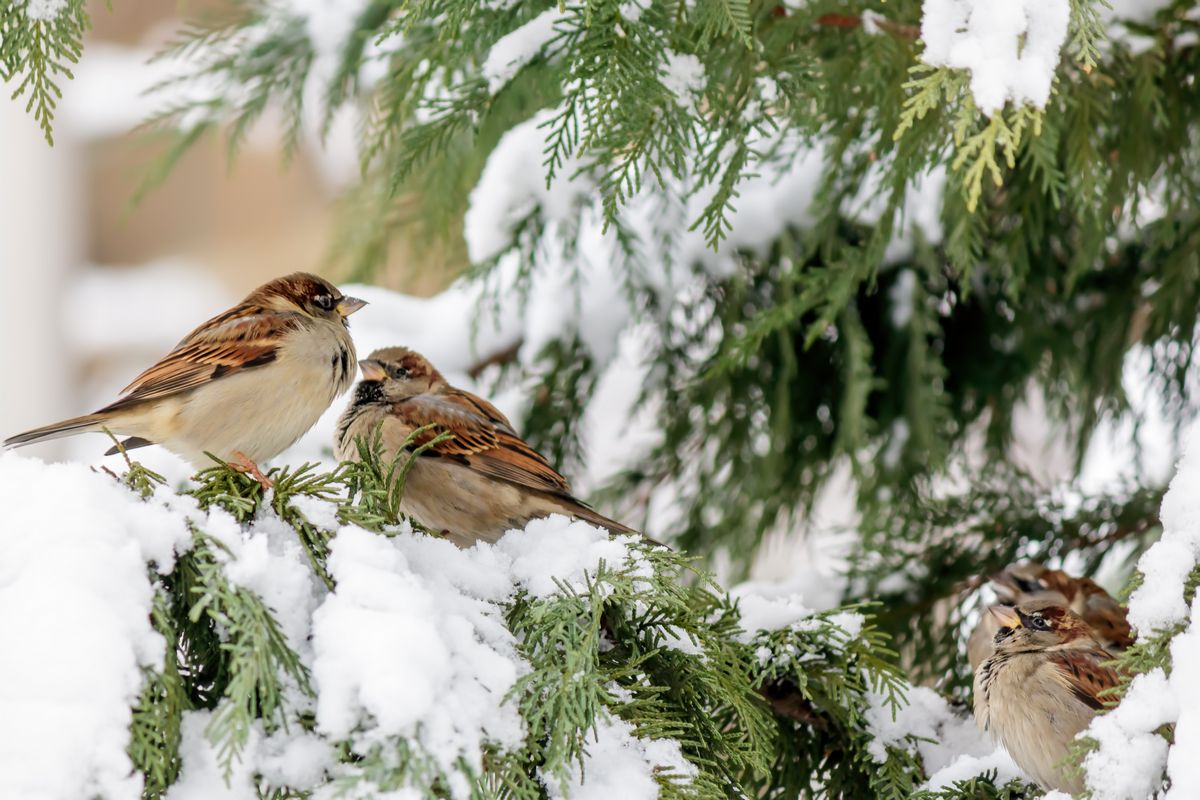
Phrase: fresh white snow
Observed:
(403, 651)
(1010, 48)
(411, 645)
(516, 49)
(619, 764)
(75, 597)
(683, 75)
(44, 10)
(1131, 756)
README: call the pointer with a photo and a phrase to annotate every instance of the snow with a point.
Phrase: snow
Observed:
(75, 599)
(513, 184)
(294, 758)
(632, 9)
(404, 653)
(267, 559)
(1158, 603)
(44, 10)
(1011, 49)
(1131, 756)
(619, 764)
(1137, 10)
(683, 75)
(516, 49)
(291, 758)
(328, 23)
(767, 607)
(920, 208)
(557, 550)
(202, 776)
(901, 297)
(873, 22)
(1182, 765)
(950, 745)
(967, 766)
(411, 644)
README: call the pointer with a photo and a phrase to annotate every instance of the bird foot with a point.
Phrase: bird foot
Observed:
(243, 463)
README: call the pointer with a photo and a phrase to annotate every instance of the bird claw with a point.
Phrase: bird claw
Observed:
(243, 463)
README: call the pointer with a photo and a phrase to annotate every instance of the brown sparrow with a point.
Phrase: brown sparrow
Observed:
(1040, 687)
(473, 486)
(243, 386)
(1024, 583)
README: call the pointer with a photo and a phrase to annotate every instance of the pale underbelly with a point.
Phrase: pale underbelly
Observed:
(254, 414)
(450, 497)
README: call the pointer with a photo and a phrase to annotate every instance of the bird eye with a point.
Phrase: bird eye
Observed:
(323, 302)
(398, 372)
(1041, 624)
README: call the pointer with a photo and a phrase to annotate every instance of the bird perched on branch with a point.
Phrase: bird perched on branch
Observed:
(243, 386)
(1030, 582)
(1041, 686)
(472, 485)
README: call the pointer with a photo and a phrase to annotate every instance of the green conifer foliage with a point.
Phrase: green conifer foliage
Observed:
(1069, 239)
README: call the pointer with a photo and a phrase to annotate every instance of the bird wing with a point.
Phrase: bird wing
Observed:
(481, 437)
(1109, 620)
(242, 338)
(1082, 672)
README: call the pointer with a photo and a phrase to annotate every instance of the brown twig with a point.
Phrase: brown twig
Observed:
(850, 21)
(787, 702)
(1121, 531)
(505, 356)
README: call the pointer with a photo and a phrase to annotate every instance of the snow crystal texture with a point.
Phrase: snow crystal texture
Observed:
(1011, 48)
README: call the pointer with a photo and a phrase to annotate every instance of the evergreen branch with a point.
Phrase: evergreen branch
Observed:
(375, 485)
(154, 733)
(258, 664)
(38, 52)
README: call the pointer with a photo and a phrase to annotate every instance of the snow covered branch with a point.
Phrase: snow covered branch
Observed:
(209, 641)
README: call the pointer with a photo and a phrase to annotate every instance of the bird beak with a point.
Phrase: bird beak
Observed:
(372, 370)
(348, 305)
(1006, 615)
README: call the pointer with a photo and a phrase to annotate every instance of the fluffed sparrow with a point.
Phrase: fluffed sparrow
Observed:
(1029, 582)
(1040, 687)
(473, 486)
(243, 386)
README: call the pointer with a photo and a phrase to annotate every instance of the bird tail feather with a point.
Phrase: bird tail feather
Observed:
(587, 514)
(68, 427)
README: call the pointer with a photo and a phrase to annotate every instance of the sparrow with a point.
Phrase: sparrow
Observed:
(1022, 583)
(243, 386)
(1040, 687)
(473, 486)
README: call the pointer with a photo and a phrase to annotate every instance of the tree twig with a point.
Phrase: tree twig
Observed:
(871, 21)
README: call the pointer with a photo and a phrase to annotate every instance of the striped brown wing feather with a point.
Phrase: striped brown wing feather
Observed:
(242, 338)
(1083, 673)
(481, 407)
(488, 445)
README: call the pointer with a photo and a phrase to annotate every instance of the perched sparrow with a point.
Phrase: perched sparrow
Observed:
(1024, 583)
(243, 386)
(473, 486)
(1040, 687)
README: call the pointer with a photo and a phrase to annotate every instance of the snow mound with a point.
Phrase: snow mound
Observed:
(1132, 756)
(75, 598)
(411, 646)
(1010, 48)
